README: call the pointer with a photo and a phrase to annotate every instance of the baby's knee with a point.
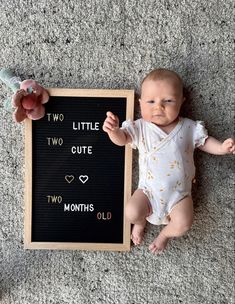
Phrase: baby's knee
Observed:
(132, 214)
(182, 226)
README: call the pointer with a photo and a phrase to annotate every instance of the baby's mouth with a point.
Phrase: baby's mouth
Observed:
(158, 115)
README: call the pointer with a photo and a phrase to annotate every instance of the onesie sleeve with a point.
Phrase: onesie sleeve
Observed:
(131, 128)
(200, 134)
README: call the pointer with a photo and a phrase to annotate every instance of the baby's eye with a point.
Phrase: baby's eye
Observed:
(150, 101)
(168, 100)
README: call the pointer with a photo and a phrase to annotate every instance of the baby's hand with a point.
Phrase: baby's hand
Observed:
(111, 122)
(228, 146)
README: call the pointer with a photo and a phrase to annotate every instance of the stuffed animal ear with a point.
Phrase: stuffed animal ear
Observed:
(45, 96)
(17, 97)
(19, 114)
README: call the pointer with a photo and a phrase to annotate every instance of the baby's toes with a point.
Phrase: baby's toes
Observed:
(153, 248)
(159, 251)
(136, 240)
(232, 149)
(133, 238)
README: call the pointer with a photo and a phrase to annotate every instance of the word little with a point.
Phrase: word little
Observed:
(85, 126)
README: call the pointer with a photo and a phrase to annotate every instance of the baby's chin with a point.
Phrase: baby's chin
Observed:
(160, 121)
(165, 120)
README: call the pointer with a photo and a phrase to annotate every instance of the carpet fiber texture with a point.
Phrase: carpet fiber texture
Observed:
(113, 44)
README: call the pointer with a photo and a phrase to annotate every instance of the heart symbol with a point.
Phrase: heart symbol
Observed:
(69, 178)
(83, 178)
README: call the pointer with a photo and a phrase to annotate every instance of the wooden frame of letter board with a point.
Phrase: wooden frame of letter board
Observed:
(28, 243)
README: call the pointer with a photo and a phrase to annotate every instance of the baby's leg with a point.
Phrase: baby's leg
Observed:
(181, 219)
(137, 209)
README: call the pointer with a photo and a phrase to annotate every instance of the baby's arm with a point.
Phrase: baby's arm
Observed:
(116, 135)
(213, 146)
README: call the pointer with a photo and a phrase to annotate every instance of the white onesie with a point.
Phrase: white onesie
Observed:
(166, 165)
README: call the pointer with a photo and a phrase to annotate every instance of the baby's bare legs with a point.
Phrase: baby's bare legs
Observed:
(181, 219)
(137, 209)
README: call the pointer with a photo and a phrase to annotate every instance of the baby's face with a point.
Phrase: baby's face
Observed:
(160, 101)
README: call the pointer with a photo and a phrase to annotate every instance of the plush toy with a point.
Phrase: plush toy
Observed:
(28, 99)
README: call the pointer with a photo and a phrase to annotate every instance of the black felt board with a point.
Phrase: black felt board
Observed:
(103, 191)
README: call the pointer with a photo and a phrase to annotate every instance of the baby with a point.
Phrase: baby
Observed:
(166, 143)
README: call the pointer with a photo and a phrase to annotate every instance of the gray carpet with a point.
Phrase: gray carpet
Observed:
(113, 44)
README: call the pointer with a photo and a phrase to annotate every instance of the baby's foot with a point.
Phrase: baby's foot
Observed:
(159, 244)
(138, 233)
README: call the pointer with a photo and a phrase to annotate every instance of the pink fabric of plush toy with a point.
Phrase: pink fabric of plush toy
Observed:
(29, 100)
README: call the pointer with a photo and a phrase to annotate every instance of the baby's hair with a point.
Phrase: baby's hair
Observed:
(163, 74)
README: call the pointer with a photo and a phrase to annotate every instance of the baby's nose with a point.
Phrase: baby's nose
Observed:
(159, 105)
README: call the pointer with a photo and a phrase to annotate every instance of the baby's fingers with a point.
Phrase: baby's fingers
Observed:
(113, 119)
(108, 126)
(111, 115)
(229, 145)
